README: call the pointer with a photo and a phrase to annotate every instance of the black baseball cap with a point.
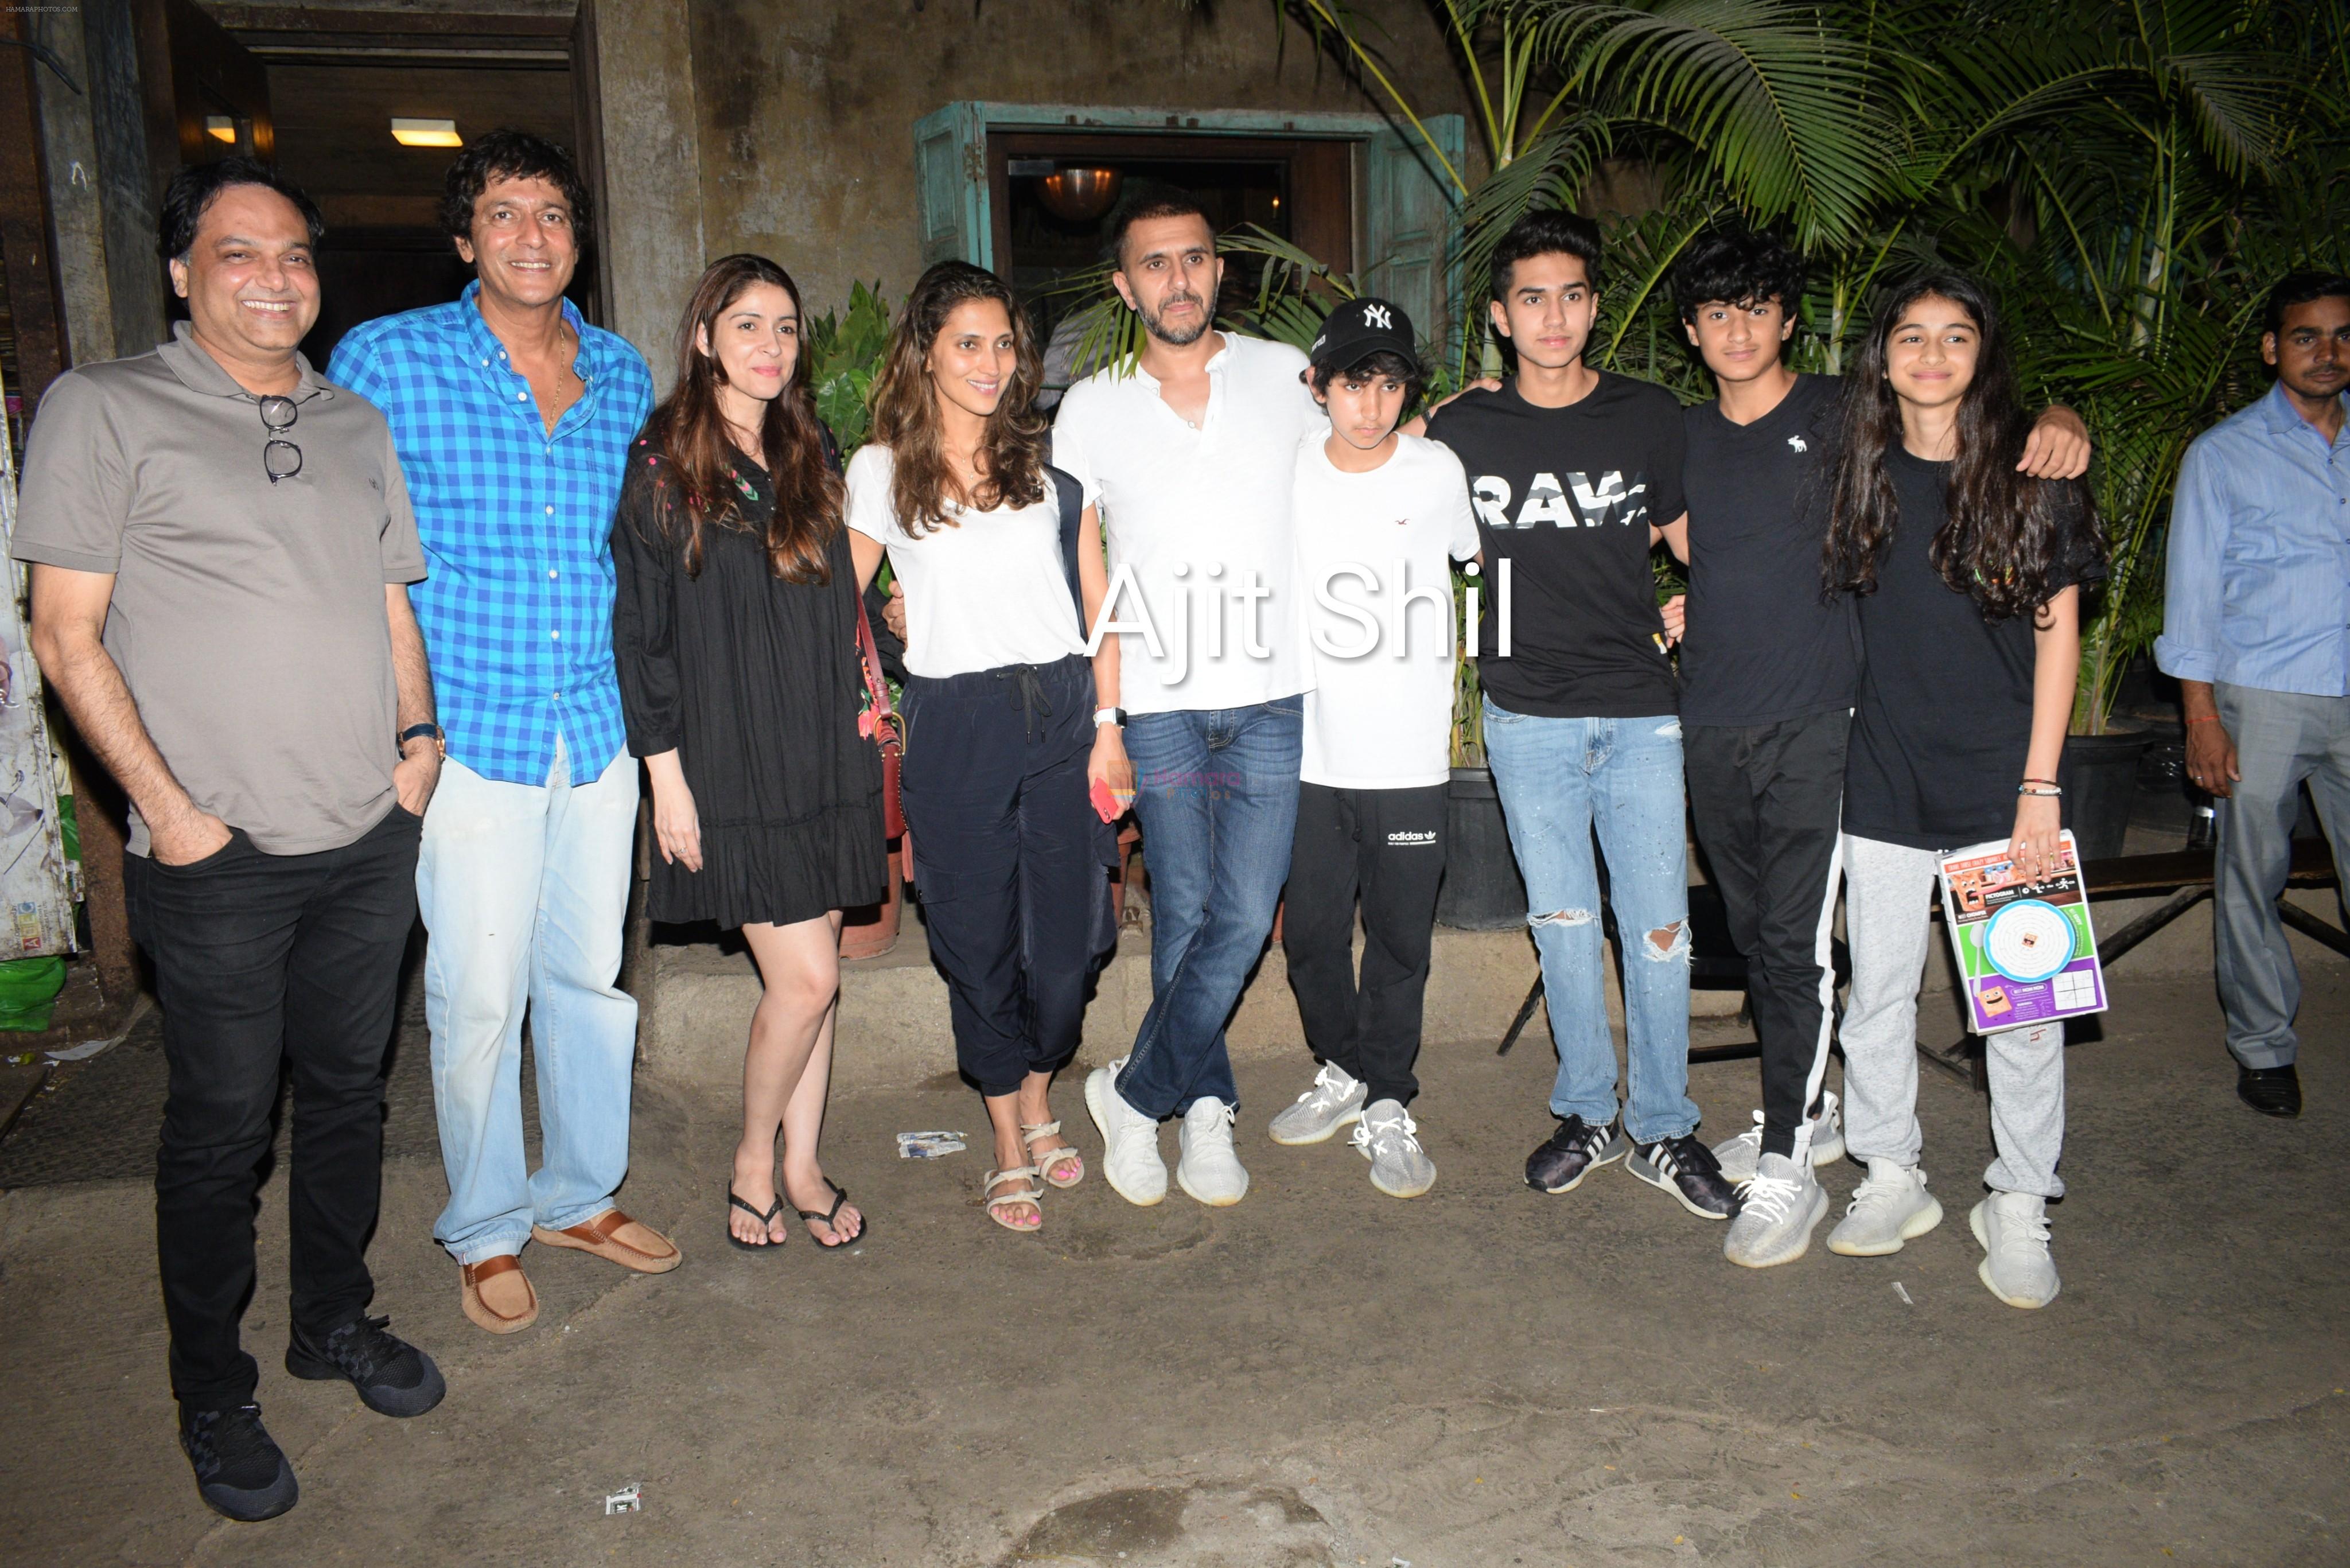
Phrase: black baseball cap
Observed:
(1361, 328)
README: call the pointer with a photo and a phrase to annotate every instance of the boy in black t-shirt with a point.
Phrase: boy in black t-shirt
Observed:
(1770, 669)
(1575, 474)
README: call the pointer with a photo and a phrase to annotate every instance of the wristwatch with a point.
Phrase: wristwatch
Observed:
(423, 733)
(1110, 716)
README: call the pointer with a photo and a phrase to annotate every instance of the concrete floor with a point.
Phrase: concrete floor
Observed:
(1320, 1375)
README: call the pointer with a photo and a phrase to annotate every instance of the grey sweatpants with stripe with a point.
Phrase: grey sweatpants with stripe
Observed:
(1889, 893)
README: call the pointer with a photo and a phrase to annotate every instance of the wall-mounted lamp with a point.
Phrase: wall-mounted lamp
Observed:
(221, 128)
(426, 132)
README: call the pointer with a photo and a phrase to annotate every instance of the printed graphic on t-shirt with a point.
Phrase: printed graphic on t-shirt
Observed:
(1596, 502)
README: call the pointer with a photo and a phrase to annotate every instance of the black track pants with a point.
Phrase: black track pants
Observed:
(1768, 805)
(1386, 848)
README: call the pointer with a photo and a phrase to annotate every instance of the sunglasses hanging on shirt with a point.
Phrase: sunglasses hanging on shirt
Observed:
(280, 458)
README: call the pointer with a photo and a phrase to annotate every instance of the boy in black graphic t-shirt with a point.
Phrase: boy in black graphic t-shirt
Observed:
(1770, 667)
(1574, 474)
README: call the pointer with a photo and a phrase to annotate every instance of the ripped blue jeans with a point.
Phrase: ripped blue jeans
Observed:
(1559, 779)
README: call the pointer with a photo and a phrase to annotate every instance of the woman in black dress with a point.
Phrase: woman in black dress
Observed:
(735, 632)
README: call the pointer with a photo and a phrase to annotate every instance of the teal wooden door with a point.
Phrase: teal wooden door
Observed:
(951, 168)
(1407, 225)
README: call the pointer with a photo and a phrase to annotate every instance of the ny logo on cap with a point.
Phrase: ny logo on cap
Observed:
(1377, 315)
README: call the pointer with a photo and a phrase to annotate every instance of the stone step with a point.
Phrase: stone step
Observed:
(893, 1028)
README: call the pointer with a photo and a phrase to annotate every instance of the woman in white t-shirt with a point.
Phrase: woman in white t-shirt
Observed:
(1013, 744)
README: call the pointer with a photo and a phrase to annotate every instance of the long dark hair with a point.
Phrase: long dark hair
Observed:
(2005, 537)
(689, 430)
(1011, 456)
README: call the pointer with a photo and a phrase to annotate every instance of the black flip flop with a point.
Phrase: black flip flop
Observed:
(839, 1197)
(767, 1219)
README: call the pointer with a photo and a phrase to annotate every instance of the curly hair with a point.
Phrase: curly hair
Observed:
(923, 485)
(1737, 265)
(2005, 537)
(688, 429)
(509, 154)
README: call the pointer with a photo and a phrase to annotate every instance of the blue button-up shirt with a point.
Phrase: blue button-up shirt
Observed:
(2259, 586)
(516, 606)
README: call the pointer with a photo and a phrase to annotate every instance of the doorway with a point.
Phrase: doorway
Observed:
(1350, 190)
(1300, 190)
(322, 89)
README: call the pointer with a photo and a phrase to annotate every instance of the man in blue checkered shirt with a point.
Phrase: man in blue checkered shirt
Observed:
(512, 419)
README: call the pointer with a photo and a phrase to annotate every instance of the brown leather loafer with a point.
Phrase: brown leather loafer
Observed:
(614, 1237)
(497, 1294)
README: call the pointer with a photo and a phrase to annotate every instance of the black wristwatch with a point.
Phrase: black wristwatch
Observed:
(431, 732)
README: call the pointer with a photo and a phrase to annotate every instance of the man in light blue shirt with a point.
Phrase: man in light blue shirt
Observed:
(2257, 629)
(512, 419)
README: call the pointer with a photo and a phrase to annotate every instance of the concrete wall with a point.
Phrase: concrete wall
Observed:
(807, 108)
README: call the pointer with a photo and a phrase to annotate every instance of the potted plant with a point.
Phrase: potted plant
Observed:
(843, 353)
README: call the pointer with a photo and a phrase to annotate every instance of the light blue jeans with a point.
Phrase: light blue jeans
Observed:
(1559, 779)
(525, 890)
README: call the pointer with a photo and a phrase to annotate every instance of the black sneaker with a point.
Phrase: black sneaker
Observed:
(1573, 1152)
(241, 1473)
(393, 1377)
(1686, 1168)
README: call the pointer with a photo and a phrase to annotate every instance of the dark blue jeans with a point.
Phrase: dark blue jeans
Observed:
(1218, 805)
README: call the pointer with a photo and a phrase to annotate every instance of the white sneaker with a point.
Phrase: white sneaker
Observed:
(1335, 1099)
(1827, 1131)
(1208, 1170)
(1389, 1139)
(1889, 1207)
(2013, 1230)
(1777, 1207)
(1130, 1160)
(1738, 1155)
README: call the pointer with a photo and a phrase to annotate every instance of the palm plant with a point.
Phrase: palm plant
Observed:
(2120, 182)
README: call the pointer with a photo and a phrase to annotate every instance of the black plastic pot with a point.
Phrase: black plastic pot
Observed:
(1482, 890)
(2099, 774)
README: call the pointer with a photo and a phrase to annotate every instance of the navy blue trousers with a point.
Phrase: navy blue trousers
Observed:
(1011, 862)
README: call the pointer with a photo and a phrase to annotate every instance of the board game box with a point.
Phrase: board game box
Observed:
(2025, 950)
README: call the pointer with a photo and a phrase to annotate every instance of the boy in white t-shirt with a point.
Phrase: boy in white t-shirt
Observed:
(1379, 517)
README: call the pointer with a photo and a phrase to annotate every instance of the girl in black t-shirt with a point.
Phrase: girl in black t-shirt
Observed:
(1968, 575)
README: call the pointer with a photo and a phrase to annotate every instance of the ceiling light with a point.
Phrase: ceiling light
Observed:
(425, 132)
(221, 128)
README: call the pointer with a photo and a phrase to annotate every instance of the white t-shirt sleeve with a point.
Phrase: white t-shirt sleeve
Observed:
(869, 510)
(1460, 516)
(1069, 457)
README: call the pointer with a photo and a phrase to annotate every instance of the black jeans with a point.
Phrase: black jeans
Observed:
(1768, 804)
(1011, 861)
(1385, 846)
(263, 960)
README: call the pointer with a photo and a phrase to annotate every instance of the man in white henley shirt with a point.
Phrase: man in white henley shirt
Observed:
(1194, 448)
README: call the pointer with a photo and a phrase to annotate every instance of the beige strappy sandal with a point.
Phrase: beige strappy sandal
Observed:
(997, 1202)
(1055, 1165)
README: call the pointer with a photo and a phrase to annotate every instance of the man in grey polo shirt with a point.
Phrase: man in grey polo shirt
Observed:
(221, 544)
